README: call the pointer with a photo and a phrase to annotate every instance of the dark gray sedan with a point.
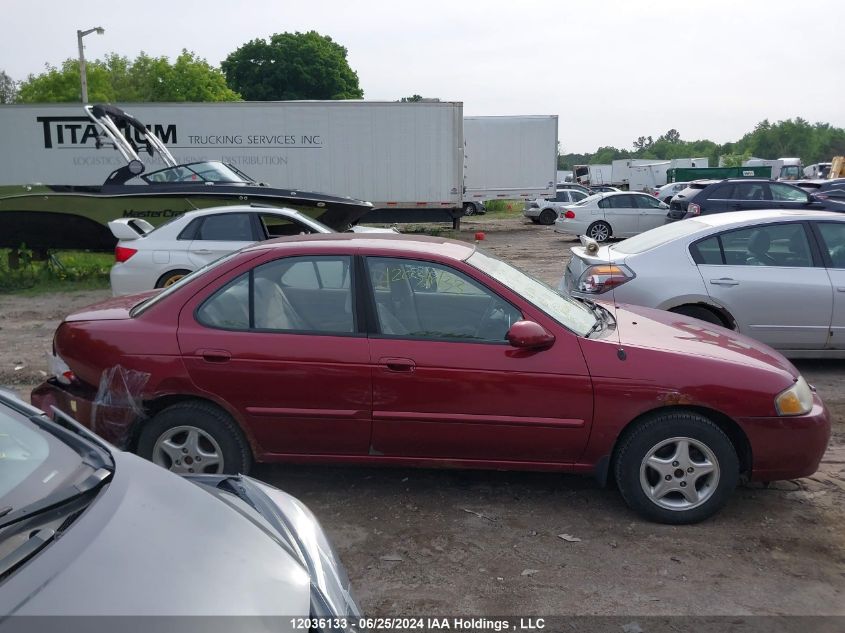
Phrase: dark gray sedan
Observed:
(87, 530)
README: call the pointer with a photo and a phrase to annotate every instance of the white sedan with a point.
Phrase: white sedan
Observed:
(546, 211)
(775, 275)
(615, 214)
(148, 257)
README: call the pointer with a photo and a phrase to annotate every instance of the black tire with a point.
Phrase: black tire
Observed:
(208, 418)
(599, 231)
(534, 220)
(171, 277)
(469, 208)
(547, 217)
(701, 313)
(636, 445)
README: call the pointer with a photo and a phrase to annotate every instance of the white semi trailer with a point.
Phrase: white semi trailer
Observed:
(408, 159)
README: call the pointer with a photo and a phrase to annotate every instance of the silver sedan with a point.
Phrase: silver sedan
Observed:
(614, 214)
(777, 276)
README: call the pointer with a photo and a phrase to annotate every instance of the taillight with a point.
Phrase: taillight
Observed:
(693, 209)
(121, 253)
(569, 215)
(603, 277)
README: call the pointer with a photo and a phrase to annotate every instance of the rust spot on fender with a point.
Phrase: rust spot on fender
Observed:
(675, 398)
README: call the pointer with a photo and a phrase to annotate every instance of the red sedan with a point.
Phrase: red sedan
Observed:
(428, 352)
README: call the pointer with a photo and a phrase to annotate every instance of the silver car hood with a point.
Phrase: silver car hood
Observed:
(155, 544)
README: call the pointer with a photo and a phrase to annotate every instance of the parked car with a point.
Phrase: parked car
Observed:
(606, 215)
(572, 185)
(824, 189)
(667, 192)
(773, 275)
(422, 351)
(75, 511)
(475, 207)
(543, 211)
(148, 257)
(603, 189)
(740, 194)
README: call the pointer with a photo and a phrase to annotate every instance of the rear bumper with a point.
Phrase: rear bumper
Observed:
(788, 447)
(126, 279)
(113, 423)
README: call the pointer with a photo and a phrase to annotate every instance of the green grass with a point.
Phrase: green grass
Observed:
(503, 208)
(63, 271)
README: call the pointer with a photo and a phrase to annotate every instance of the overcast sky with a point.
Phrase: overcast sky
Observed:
(612, 70)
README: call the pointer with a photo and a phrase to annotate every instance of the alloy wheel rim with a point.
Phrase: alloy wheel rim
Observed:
(679, 473)
(172, 280)
(599, 233)
(188, 450)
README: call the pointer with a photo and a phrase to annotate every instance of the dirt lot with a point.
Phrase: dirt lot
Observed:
(461, 542)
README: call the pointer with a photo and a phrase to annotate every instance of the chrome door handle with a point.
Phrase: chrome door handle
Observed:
(202, 251)
(724, 281)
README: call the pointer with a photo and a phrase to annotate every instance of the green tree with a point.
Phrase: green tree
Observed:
(292, 66)
(411, 99)
(116, 78)
(8, 88)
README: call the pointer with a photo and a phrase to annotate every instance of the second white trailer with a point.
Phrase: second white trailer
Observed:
(509, 157)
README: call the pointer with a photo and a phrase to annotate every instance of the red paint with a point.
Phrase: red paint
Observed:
(480, 236)
(369, 399)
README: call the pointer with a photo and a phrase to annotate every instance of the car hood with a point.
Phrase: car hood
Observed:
(698, 363)
(155, 544)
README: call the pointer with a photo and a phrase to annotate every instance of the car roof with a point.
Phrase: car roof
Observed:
(383, 243)
(731, 218)
(237, 208)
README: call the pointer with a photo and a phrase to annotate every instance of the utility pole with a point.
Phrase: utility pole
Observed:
(83, 76)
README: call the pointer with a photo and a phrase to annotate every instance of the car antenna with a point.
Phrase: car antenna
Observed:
(592, 248)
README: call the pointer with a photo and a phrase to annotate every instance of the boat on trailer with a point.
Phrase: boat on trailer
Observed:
(44, 217)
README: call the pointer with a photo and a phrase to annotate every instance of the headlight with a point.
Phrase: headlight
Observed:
(797, 400)
(603, 277)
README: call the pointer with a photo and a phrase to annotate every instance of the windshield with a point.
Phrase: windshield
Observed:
(208, 171)
(569, 313)
(588, 199)
(655, 237)
(33, 463)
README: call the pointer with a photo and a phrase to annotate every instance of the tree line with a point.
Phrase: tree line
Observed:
(286, 66)
(813, 143)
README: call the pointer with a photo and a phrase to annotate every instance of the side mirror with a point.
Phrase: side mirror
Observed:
(529, 335)
(663, 205)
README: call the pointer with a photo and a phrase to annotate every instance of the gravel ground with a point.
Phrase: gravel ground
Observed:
(479, 542)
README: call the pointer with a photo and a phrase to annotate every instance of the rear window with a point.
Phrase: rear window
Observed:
(657, 237)
(693, 188)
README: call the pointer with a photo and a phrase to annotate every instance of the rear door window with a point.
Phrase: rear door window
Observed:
(750, 191)
(707, 251)
(294, 294)
(227, 227)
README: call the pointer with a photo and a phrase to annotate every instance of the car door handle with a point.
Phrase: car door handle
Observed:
(840, 288)
(724, 281)
(405, 365)
(215, 355)
(201, 251)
